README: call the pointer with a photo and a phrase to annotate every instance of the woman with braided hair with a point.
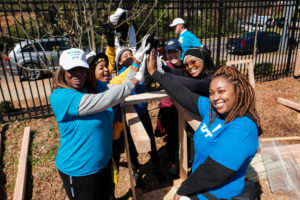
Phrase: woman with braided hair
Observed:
(227, 138)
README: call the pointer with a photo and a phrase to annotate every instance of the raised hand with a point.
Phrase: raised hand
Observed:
(139, 54)
(140, 75)
(151, 62)
(109, 32)
(160, 62)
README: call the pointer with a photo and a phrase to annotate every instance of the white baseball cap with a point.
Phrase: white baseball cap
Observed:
(71, 58)
(177, 21)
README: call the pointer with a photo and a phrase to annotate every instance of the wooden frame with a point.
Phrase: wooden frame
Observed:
(140, 138)
(19, 192)
(142, 143)
(255, 172)
(250, 68)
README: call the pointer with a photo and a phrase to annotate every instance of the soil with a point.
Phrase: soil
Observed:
(43, 181)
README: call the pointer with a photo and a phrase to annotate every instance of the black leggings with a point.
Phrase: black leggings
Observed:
(169, 120)
(98, 186)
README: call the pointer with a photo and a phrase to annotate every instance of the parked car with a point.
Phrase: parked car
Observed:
(252, 27)
(266, 41)
(35, 54)
(279, 22)
(270, 22)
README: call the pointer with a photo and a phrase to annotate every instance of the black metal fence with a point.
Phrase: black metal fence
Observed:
(228, 28)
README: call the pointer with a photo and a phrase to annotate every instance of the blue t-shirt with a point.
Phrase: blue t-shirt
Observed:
(188, 40)
(140, 108)
(85, 141)
(233, 145)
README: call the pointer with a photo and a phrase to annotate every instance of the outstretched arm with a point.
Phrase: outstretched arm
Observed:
(177, 91)
(199, 86)
(94, 103)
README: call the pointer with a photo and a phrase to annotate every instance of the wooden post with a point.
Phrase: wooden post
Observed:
(183, 160)
(297, 65)
(250, 69)
(132, 184)
(19, 192)
(184, 116)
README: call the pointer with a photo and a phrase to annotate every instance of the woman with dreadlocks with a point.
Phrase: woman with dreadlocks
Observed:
(227, 138)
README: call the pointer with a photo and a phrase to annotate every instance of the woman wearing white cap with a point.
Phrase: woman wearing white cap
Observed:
(84, 115)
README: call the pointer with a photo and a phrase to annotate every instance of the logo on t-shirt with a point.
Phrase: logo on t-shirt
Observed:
(207, 132)
(180, 39)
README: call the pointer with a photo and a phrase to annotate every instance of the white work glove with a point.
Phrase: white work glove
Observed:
(159, 63)
(142, 50)
(140, 75)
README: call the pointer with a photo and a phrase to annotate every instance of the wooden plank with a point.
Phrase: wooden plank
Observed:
(279, 139)
(19, 192)
(183, 156)
(140, 137)
(177, 183)
(144, 97)
(193, 120)
(250, 68)
(132, 184)
(289, 103)
(297, 65)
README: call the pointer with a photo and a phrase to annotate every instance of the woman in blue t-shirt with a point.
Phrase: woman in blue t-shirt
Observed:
(227, 138)
(84, 115)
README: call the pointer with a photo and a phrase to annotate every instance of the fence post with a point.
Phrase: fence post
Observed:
(292, 37)
(182, 9)
(221, 6)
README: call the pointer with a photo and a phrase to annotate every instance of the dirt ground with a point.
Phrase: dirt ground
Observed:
(43, 181)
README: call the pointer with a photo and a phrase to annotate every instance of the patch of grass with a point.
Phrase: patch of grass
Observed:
(263, 69)
(6, 107)
(42, 152)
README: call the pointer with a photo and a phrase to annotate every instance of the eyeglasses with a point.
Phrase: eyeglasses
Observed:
(192, 63)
